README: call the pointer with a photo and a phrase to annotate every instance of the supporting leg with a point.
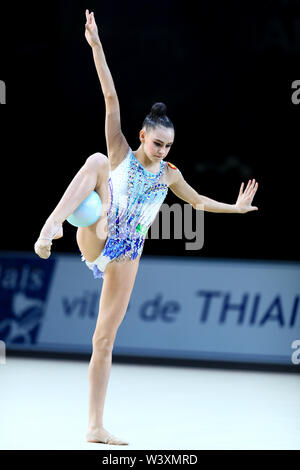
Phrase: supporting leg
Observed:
(117, 286)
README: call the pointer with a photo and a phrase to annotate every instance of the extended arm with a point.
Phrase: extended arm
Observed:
(117, 145)
(185, 192)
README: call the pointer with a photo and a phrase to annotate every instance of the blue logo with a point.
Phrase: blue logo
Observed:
(24, 287)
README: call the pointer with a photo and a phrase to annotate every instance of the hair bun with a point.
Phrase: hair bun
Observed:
(158, 109)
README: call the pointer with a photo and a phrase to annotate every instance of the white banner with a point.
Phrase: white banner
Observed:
(221, 310)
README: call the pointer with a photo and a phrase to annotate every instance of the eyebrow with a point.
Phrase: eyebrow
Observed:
(162, 141)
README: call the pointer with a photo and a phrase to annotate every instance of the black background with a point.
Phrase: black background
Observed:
(223, 68)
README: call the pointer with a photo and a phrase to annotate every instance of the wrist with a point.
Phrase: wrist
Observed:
(96, 45)
(236, 209)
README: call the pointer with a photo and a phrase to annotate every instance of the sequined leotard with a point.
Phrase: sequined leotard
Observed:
(136, 197)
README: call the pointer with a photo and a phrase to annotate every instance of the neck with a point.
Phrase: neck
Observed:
(144, 160)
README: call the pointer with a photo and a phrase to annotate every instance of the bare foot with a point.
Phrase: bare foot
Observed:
(105, 437)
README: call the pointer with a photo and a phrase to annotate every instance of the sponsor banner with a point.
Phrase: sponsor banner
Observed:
(220, 310)
(47, 305)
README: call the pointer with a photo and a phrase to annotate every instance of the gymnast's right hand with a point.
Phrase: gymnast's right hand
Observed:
(91, 30)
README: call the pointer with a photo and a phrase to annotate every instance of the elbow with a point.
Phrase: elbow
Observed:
(198, 204)
(110, 96)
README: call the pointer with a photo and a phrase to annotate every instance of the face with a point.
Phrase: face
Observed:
(157, 142)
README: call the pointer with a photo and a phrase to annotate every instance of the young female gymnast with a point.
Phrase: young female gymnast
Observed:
(132, 186)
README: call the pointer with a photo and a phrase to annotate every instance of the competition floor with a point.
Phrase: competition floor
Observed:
(44, 405)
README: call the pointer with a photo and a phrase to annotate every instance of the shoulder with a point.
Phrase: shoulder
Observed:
(115, 159)
(173, 173)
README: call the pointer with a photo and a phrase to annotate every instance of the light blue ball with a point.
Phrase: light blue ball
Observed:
(88, 212)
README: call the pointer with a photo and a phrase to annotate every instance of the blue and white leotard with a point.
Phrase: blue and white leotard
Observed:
(136, 197)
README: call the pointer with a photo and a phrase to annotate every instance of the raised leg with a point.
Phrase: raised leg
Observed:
(91, 240)
(85, 181)
(117, 286)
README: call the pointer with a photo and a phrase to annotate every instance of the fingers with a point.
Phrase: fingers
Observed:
(248, 186)
(242, 186)
(248, 194)
(254, 189)
(93, 19)
(251, 187)
(251, 193)
(89, 16)
(89, 20)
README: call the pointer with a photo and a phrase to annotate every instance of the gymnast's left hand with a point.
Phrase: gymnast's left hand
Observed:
(244, 200)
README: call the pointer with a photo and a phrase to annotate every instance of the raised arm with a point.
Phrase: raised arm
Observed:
(185, 192)
(117, 146)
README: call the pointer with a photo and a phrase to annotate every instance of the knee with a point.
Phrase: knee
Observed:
(103, 345)
(97, 162)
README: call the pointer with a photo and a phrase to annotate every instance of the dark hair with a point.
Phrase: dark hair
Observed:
(157, 117)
